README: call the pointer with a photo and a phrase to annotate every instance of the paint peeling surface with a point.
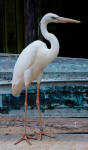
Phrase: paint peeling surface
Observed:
(62, 69)
(55, 100)
(64, 85)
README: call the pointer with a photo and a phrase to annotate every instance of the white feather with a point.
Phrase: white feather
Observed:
(34, 58)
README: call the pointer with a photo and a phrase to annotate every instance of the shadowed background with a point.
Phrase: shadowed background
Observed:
(19, 25)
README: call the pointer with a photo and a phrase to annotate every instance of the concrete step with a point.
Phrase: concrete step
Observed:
(61, 69)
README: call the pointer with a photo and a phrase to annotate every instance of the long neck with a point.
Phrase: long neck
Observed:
(54, 50)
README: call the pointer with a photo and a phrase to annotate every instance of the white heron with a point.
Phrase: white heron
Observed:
(31, 62)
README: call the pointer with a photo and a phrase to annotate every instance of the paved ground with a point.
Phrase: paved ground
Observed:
(61, 142)
(63, 129)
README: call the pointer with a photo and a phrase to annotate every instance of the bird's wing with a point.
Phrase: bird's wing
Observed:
(27, 57)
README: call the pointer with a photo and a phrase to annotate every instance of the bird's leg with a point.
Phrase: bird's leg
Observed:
(38, 106)
(25, 136)
(25, 114)
(40, 119)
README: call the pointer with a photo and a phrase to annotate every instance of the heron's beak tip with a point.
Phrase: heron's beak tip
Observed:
(78, 21)
(68, 20)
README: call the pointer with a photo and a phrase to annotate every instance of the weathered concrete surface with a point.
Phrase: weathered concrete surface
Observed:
(61, 69)
(64, 85)
(54, 125)
(11, 129)
(55, 101)
(65, 142)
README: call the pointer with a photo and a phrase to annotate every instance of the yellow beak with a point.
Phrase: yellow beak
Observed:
(67, 20)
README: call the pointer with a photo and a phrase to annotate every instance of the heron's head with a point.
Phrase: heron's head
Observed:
(53, 18)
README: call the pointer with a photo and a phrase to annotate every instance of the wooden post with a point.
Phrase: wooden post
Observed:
(10, 26)
(2, 27)
(31, 20)
(20, 24)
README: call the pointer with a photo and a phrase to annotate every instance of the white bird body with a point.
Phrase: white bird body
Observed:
(33, 59)
(36, 56)
(30, 65)
(31, 62)
(27, 66)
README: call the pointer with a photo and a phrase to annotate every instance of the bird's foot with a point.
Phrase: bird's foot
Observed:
(42, 133)
(26, 138)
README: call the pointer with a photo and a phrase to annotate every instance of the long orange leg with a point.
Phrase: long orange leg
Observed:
(25, 136)
(40, 119)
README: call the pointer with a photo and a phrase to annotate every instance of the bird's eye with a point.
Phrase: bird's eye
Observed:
(53, 17)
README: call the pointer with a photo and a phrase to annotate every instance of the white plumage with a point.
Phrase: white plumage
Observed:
(27, 67)
(33, 59)
(36, 55)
